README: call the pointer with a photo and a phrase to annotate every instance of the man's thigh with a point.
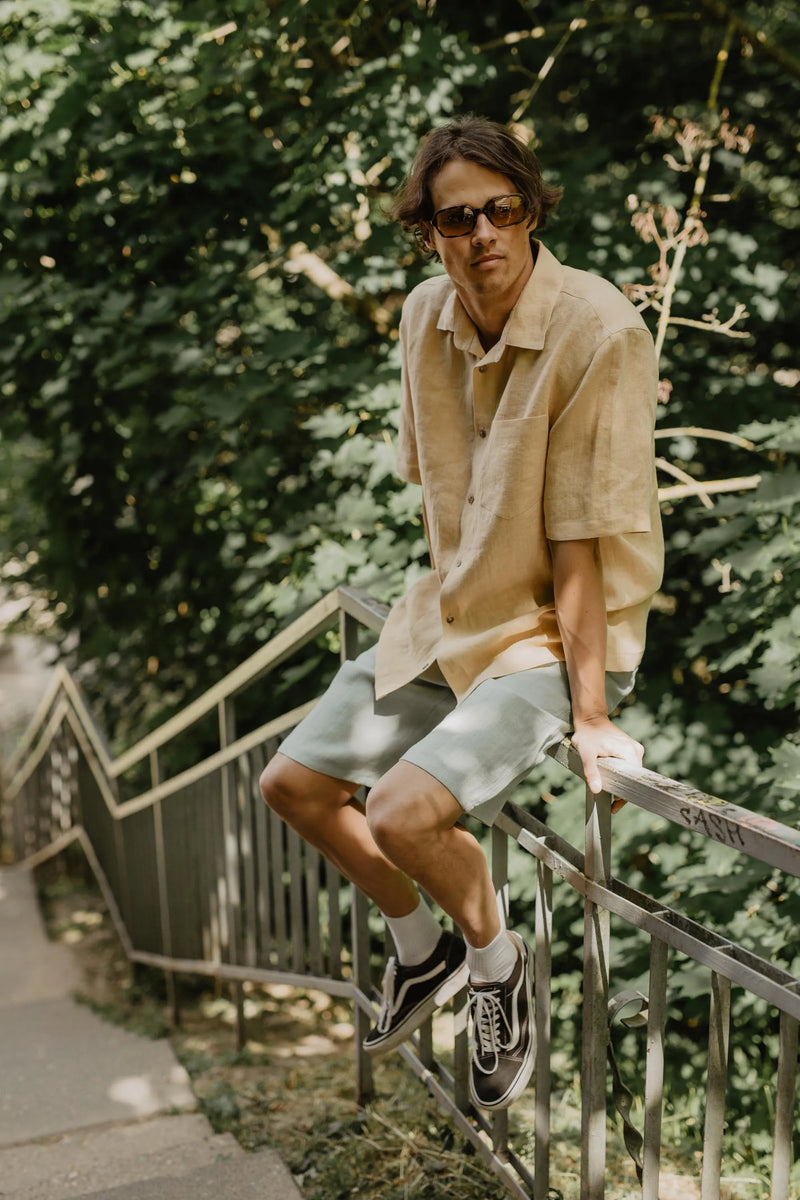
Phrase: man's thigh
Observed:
(351, 735)
(487, 745)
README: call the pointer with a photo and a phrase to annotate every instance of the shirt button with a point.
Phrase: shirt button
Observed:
(458, 562)
(481, 369)
(450, 620)
(470, 499)
(481, 433)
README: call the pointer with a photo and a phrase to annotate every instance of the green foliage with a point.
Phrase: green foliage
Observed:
(199, 299)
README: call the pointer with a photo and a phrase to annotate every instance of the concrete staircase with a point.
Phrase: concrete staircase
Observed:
(89, 1111)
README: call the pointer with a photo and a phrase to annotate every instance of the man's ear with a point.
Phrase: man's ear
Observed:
(425, 236)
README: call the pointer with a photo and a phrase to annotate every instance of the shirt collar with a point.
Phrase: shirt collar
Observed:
(528, 320)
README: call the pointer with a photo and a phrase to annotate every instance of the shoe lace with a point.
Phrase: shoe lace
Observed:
(387, 996)
(492, 1029)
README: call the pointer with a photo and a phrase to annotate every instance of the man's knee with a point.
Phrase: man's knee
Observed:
(278, 788)
(406, 808)
(302, 797)
(388, 818)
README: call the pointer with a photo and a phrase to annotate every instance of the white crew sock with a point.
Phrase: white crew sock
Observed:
(415, 936)
(493, 963)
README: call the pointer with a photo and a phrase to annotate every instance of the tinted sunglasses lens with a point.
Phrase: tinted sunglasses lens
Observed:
(506, 210)
(454, 222)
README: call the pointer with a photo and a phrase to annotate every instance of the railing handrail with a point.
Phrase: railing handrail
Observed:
(303, 629)
(732, 825)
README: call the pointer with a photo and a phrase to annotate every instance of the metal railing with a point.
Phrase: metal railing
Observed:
(201, 878)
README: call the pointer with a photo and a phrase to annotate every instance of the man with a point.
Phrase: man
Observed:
(528, 400)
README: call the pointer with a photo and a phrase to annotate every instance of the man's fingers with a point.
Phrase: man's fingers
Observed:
(590, 772)
(605, 744)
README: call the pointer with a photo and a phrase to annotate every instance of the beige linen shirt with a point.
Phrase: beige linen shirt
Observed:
(546, 437)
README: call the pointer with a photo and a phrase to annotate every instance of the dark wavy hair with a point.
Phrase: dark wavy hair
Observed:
(478, 140)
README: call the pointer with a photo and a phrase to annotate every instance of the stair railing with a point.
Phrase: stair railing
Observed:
(201, 879)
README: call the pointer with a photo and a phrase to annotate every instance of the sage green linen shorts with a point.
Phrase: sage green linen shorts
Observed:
(479, 749)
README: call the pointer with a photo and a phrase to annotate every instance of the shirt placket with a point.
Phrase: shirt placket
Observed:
(483, 408)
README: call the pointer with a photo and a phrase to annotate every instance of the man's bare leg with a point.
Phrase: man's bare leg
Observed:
(318, 807)
(408, 834)
(412, 818)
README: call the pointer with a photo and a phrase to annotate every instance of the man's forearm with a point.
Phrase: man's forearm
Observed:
(581, 614)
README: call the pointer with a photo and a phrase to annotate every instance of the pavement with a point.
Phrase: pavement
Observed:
(90, 1111)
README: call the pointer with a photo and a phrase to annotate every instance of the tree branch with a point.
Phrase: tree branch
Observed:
(756, 37)
(574, 25)
(743, 484)
(718, 435)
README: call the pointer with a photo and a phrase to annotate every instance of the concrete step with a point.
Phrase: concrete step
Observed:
(261, 1176)
(64, 1068)
(90, 1110)
(89, 1160)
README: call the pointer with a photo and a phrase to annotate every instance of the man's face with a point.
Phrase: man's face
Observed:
(488, 265)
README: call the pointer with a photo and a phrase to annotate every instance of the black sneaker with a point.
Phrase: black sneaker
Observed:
(410, 994)
(503, 1034)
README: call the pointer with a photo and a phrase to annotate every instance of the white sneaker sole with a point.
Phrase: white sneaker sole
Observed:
(426, 1008)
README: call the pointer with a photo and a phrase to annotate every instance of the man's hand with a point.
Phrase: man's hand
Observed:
(598, 737)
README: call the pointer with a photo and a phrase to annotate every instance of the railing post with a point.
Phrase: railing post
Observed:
(718, 1035)
(227, 736)
(163, 891)
(500, 882)
(654, 1071)
(361, 979)
(543, 986)
(595, 1000)
(786, 1087)
(348, 629)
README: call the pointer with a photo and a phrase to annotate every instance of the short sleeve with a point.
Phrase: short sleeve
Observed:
(407, 457)
(600, 473)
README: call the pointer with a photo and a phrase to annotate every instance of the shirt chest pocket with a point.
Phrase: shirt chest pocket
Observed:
(510, 472)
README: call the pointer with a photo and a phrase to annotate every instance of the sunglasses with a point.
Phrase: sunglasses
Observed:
(460, 220)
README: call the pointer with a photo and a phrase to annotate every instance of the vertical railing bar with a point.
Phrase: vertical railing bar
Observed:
(262, 874)
(499, 846)
(232, 859)
(595, 1001)
(786, 1088)
(228, 873)
(296, 922)
(163, 890)
(277, 832)
(359, 916)
(654, 1070)
(244, 788)
(186, 938)
(313, 913)
(78, 815)
(213, 837)
(201, 884)
(333, 882)
(124, 898)
(461, 1055)
(425, 1043)
(718, 1035)
(362, 981)
(425, 1031)
(543, 1002)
